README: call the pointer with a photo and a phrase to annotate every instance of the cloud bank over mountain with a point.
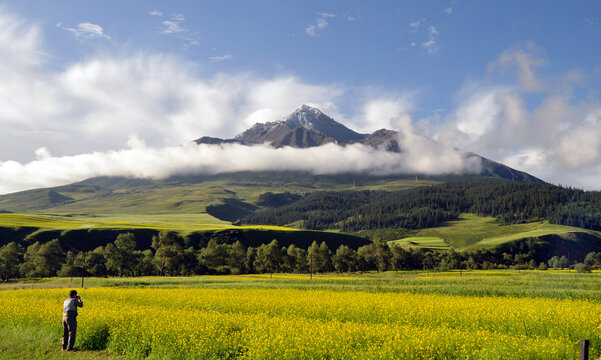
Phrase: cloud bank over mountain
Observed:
(83, 111)
(141, 161)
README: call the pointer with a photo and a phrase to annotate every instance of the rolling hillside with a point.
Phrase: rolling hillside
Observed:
(471, 232)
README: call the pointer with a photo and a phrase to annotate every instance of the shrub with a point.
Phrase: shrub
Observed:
(582, 268)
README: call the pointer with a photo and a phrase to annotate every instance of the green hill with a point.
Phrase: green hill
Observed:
(471, 232)
(190, 194)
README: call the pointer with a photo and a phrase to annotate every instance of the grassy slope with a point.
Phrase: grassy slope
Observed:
(180, 222)
(473, 231)
(183, 197)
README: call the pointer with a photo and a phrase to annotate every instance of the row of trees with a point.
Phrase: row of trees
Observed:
(169, 256)
(427, 206)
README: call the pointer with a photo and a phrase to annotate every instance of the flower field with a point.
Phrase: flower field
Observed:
(318, 324)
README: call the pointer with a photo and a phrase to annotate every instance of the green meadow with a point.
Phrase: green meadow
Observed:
(471, 232)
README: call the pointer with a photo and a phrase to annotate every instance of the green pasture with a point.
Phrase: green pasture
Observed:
(184, 196)
(556, 284)
(423, 242)
(179, 222)
(472, 231)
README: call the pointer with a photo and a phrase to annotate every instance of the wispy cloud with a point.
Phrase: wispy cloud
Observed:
(312, 29)
(87, 31)
(415, 25)
(430, 45)
(221, 58)
(449, 10)
(175, 26)
(155, 12)
(322, 22)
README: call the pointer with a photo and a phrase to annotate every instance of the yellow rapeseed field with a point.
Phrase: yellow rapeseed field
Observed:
(312, 324)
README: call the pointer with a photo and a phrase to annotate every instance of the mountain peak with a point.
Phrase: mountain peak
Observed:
(313, 119)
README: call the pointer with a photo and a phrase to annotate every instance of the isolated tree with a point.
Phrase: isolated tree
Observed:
(344, 259)
(169, 248)
(11, 255)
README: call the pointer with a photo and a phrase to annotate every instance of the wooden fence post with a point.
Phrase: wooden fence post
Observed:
(584, 349)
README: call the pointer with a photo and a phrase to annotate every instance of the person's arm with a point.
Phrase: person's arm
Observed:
(78, 302)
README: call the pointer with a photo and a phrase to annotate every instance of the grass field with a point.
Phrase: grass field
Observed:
(472, 231)
(183, 196)
(423, 242)
(415, 315)
(186, 222)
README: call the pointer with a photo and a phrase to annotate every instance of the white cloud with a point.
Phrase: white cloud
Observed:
(415, 25)
(155, 12)
(172, 26)
(449, 10)
(142, 161)
(311, 30)
(524, 63)
(221, 58)
(477, 116)
(382, 113)
(430, 45)
(87, 31)
(322, 22)
(175, 26)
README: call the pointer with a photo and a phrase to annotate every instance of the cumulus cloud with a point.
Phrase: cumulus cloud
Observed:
(557, 139)
(87, 31)
(141, 161)
(95, 104)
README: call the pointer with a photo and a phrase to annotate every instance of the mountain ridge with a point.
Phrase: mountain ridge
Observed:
(308, 127)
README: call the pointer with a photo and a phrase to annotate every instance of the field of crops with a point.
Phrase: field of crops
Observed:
(246, 321)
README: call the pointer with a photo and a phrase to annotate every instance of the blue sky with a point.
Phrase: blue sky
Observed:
(516, 81)
(361, 44)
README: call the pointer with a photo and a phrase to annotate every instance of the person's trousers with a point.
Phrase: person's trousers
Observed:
(69, 329)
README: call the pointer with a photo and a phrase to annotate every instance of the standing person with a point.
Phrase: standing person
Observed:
(70, 319)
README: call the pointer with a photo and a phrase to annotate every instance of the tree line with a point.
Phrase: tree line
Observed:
(170, 256)
(425, 207)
